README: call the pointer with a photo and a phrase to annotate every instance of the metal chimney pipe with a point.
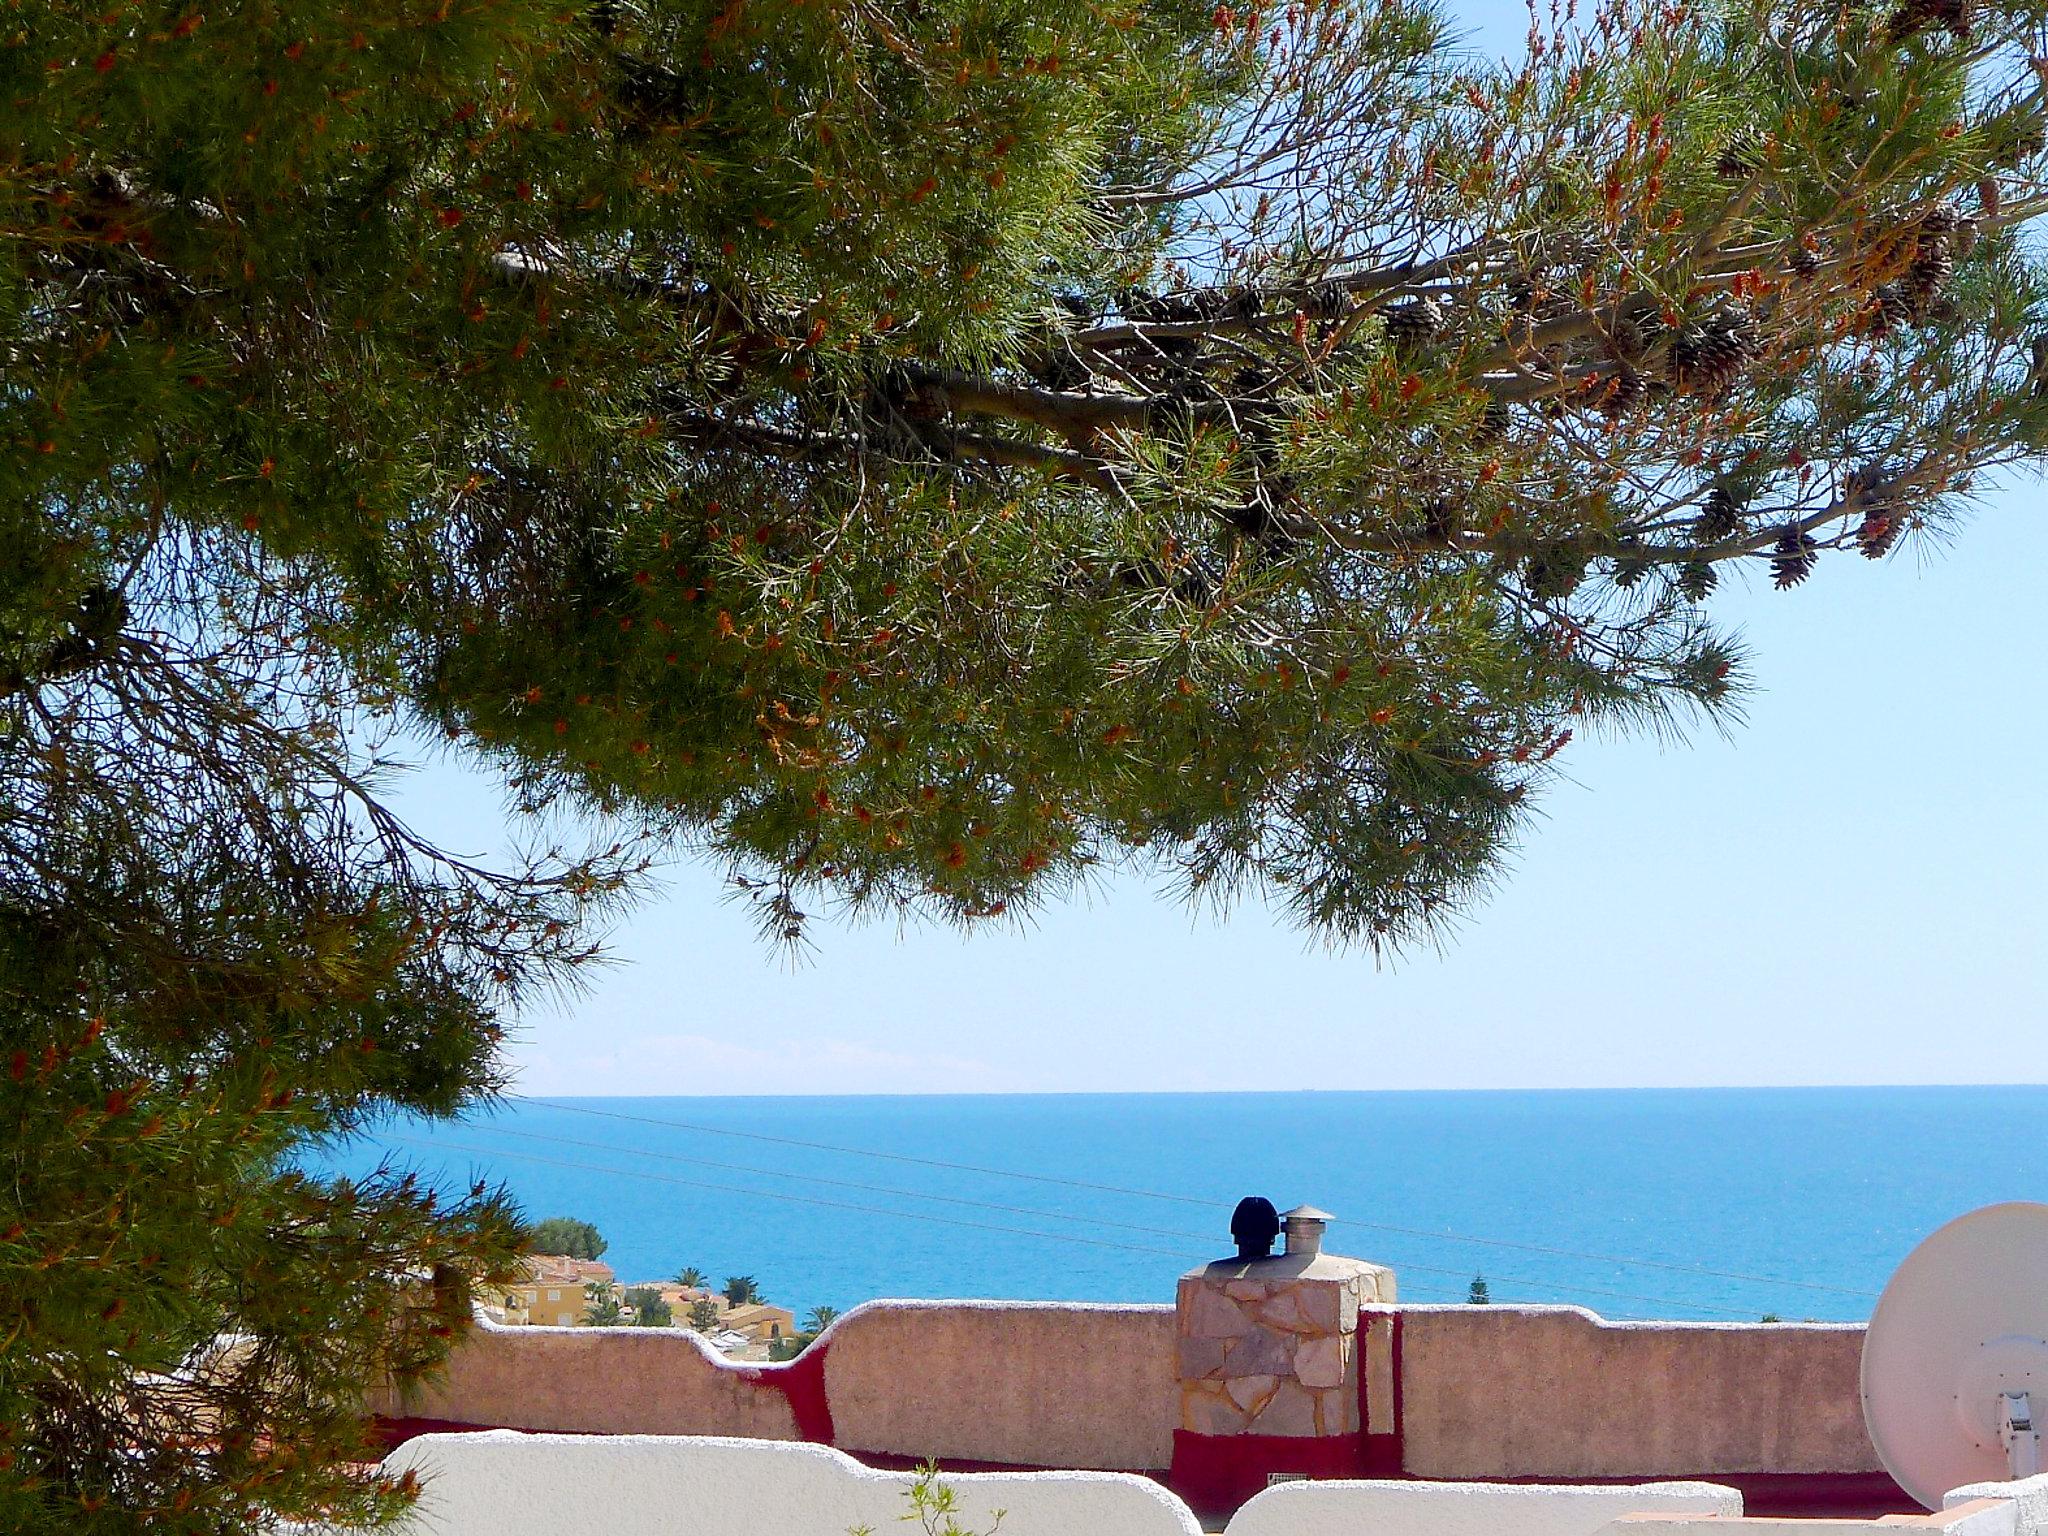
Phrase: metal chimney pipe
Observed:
(1304, 1227)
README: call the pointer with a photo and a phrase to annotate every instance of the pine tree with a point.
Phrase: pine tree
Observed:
(567, 1236)
(1477, 1294)
(919, 457)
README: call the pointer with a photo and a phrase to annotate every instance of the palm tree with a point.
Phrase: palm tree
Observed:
(692, 1277)
(603, 1310)
(818, 1319)
(741, 1289)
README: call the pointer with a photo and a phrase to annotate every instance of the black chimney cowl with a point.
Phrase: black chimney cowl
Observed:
(1254, 1225)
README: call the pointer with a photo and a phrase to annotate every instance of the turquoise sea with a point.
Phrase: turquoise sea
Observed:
(1712, 1204)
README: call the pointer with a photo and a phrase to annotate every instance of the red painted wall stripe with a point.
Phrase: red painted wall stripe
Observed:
(802, 1382)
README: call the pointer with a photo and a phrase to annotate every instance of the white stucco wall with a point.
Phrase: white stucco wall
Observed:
(662, 1485)
(1403, 1508)
(2029, 1498)
(1997, 1516)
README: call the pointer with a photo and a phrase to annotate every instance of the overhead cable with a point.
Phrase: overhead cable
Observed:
(1700, 1270)
(1192, 1237)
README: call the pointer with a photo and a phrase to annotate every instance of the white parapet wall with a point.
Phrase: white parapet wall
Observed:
(501, 1481)
(504, 1482)
(1398, 1507)
(1995, 1516)
(2029, 1500)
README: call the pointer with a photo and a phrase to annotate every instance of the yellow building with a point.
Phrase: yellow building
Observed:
(553, 1293)
(758, 1320)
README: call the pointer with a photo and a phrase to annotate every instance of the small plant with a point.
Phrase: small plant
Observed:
(935, 1506)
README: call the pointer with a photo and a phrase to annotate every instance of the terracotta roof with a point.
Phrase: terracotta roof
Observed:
(675, 1295)
(559, 1269)
(754, 1312)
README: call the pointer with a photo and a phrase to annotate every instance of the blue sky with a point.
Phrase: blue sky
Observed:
(1847, 890)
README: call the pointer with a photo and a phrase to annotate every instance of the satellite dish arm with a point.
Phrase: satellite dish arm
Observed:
(2022, 1439)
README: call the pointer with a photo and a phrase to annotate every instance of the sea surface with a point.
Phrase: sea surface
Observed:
(1710, 1204)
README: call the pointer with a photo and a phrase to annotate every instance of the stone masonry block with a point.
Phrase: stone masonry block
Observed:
(1320, 1362)
(1290, 1411)
(1318, 1303)
(1201, 1358)
(1251, 1393)
(1208, 1315)
(1261, 1352)
(1210, 1413)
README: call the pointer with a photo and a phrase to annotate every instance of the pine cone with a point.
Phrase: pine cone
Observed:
(1804, 262)
(1440, 522)
(1494, 423)
(1916, 16)
(1941, 221)
(1706, 359)
(1058, 369)
(1882, 519)
(1719, 519)
(1251, 383)
(1792, 557)
(1740, 158)
(1697, 578)
(1929, 273)
(1619, 393)
(1879, 530)
(1894, 308)
(2018, 142)
(1554, 572)
(1411, 324)
(1634, 331)
(1934, 261)
(1327, 300)
(1630, 567)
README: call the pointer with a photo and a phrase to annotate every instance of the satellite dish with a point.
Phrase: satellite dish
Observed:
(1955, 1362)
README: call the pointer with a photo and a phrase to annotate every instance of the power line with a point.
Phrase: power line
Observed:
(1152, 1194)
(770, 1194)
(1607, 1258)
(892, 1157)
(1193, 1237)
(872, 1189)
(1029, 1210)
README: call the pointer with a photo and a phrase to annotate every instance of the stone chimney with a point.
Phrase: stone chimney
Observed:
(1269, 1365)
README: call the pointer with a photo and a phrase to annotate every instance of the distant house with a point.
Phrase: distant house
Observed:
(680, 1298)
(760, 1321)
(751, 1322)
(552, 1291)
